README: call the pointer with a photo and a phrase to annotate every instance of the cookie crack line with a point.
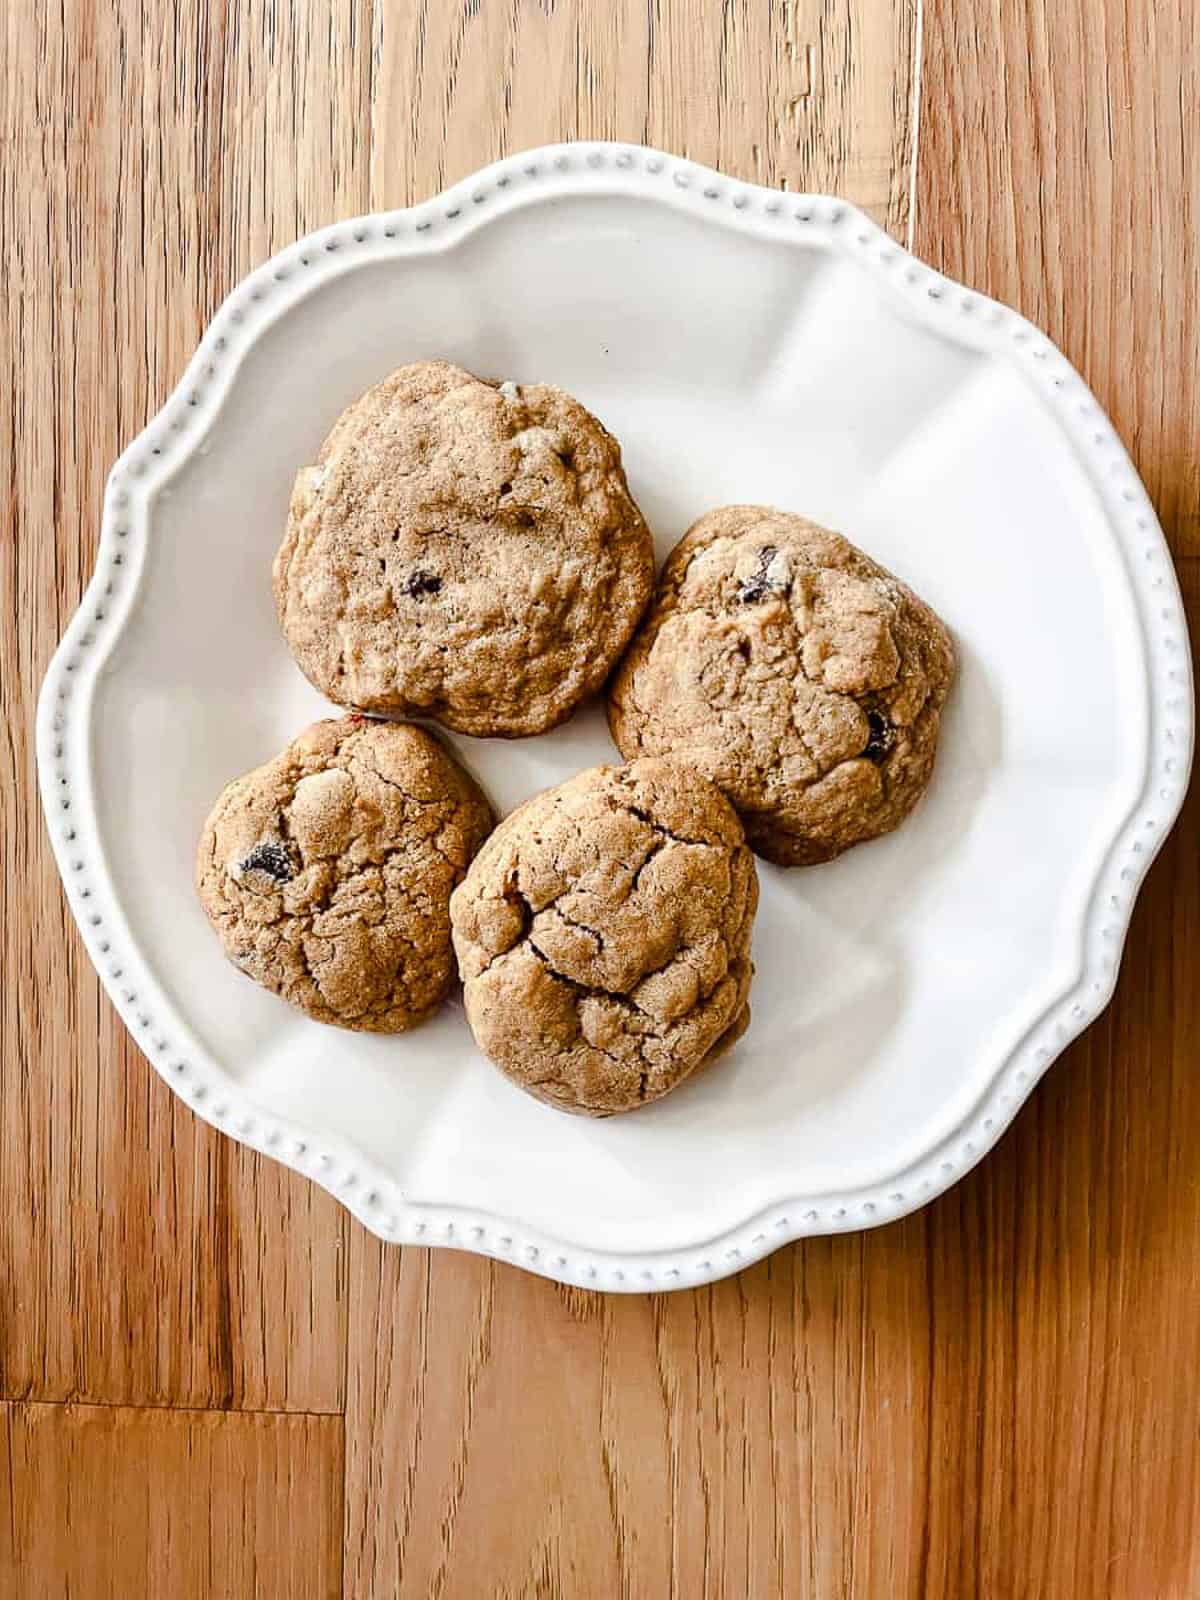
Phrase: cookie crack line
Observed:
(574, 922)
(639, 1039)
(657, 846)
(643, 815)
(306, 962)
(372, 766)
(586, 991)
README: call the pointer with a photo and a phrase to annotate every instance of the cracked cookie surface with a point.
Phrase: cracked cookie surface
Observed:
(603, 936)
(463, 550)
(795, 673)
(327, 873)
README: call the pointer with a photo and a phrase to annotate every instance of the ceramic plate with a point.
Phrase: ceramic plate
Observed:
(744, 345)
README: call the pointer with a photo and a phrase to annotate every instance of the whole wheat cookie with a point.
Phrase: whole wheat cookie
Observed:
(463, 550)
(327, 872)
(603, 936)
(795, 673)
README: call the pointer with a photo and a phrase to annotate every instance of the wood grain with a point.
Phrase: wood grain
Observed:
(997, 1397)
(765, 1436)
(807, 94)
(1060, 171)
(142, 1257)
(108, 1501)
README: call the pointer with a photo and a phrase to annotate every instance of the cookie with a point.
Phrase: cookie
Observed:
(603, 936)
(465, 551)
(793, 672)
(327, 872)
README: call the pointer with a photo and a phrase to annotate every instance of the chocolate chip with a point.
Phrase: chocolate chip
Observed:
(419, 582)
(270, 857)
(882, 736)
(756, 587)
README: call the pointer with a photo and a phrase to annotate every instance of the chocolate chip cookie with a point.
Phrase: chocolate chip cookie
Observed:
(603, 936)
(793, 672)
(463, 550)
(327, 872)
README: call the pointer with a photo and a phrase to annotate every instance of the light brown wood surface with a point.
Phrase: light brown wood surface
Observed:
(140, 1500)
(213, 1383)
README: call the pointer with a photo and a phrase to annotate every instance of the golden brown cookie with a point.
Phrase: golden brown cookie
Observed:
(603, 936)
(793, 672)
(463, 550)
(327, 872)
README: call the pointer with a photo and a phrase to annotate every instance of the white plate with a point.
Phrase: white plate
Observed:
(744, 345)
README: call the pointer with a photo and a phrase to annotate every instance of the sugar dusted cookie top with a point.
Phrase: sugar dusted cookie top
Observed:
(463, 550)
(327, 872)
(603, 936)
(795, 673)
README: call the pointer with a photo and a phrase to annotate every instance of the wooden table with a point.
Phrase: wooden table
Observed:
(214, 1383)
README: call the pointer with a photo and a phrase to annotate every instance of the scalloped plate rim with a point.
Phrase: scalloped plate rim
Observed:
(499, 189)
